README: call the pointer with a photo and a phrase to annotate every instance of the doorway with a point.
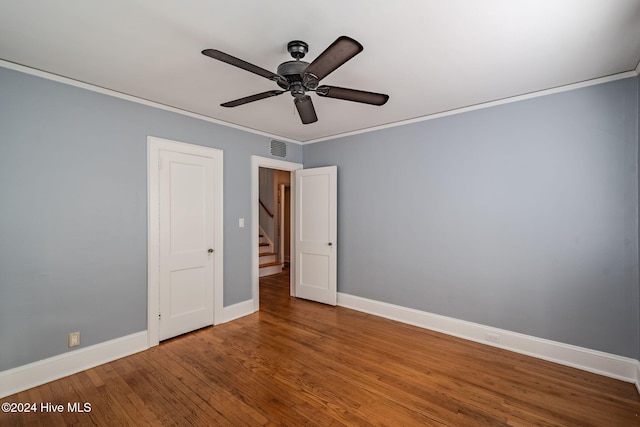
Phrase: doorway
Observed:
(314, 195)
(274, 220)
(258, 162)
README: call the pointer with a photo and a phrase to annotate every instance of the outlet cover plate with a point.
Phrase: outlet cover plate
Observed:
(493, 337)
(74, 339)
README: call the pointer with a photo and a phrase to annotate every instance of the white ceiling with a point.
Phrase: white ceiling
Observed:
(430, 56)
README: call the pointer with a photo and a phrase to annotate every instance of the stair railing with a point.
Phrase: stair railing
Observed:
(265, 208)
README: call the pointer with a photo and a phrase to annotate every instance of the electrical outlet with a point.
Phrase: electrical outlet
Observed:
(74, 339)
(493, 337)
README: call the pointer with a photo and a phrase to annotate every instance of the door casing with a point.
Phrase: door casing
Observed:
(285, 205)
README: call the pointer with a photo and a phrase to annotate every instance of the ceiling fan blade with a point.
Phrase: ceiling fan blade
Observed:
(232, 60)
(339, 52)
(305, 109)
(352, 95)
(256, 97)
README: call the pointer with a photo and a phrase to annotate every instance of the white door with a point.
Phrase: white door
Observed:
(187, 242)
(316, 232)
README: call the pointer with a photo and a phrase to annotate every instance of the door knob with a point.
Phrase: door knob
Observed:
(330, 244)
(210, 251)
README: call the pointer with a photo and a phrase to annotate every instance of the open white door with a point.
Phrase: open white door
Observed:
(315, 234)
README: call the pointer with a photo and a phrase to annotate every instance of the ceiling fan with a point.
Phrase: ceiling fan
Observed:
(299, 77)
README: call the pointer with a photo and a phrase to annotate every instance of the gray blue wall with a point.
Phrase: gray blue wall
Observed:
(73, 212)
(522, 216)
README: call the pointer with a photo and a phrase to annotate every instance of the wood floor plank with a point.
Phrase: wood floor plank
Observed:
(299, 363)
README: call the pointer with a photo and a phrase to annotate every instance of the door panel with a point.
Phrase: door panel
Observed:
(188, 291)
(316, 234)
(188, 215)
(316, 269)
(186, 236)
(314, 209)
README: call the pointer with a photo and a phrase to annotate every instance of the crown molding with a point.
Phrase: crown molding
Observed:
(105, 91)
(71, 82)
(559, 89)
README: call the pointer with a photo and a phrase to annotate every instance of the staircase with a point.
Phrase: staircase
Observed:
(268, 261)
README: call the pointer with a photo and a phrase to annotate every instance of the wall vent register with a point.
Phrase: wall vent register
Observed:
(278, 148)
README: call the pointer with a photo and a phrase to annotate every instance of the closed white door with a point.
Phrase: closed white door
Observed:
(187, 242)
(316, 234)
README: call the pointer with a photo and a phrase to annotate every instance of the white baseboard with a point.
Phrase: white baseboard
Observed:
(56, 367)
(237, 311)
(610, 365)
(43, 371)
(271, 270)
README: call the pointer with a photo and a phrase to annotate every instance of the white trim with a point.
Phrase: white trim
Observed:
(93, 88)
(281, 221)
(480, 106)
(115, 94)
(610, 365)
(238, 310)
(56, 367)
(256, 163)
(154, 146)
(153, 246)
(43, 371)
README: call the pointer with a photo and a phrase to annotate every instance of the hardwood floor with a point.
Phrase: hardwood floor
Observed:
(300, 363)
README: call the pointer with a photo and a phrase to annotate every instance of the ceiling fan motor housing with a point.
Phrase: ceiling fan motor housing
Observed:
(292, 71)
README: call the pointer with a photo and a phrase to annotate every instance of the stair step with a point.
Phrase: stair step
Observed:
(266, 253)
(270, 264)
(263, 244)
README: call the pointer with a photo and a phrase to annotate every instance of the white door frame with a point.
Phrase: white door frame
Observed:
(258, 162)
(281, 216)
(154, 146)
